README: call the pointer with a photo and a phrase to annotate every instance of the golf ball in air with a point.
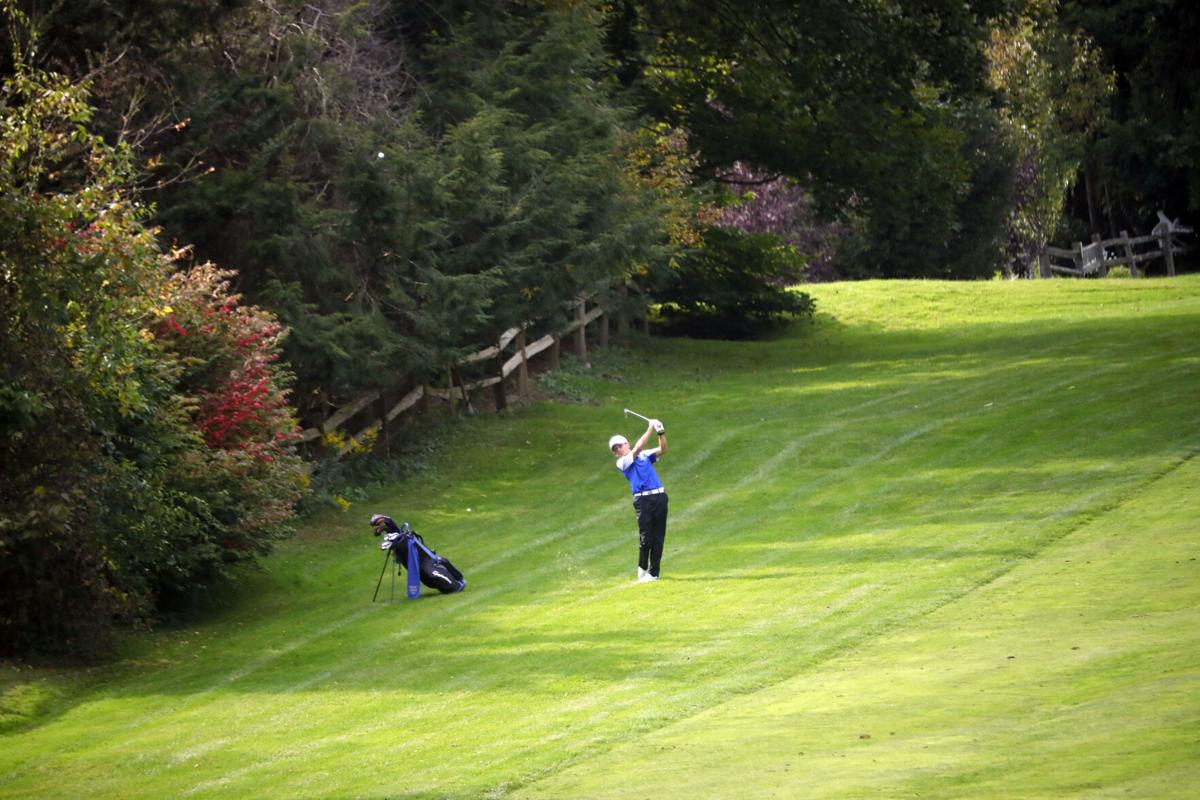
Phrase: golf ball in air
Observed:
(468, 508)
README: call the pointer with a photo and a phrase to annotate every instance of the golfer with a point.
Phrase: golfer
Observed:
(649, 496)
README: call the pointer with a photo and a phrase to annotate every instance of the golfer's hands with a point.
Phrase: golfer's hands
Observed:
(657, 426)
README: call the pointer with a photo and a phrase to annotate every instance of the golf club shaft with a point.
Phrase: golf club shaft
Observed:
(631, 411)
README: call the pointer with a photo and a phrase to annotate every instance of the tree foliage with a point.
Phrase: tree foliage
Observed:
(111, 499)
(398, 182)
(878, 109)
(534, 187)
(1143, 154)
(776, 204)
(733, 287)
(229, 369)
(1054, 95)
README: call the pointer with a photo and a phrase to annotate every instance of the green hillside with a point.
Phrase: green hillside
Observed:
(941, 543)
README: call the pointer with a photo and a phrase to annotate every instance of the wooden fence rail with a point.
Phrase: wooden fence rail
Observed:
(1102, 254)
(457, 391)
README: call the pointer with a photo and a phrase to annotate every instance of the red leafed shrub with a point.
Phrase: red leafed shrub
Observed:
(228, 357)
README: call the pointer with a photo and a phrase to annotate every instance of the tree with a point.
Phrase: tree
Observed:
(778, 205)
(879, 109)
(315, 182)
(731, 287)
(1054, 102)
(398, 182)
(113, 492)
(536, 188)
(237, 388)
(1147, 158)
(78, 378)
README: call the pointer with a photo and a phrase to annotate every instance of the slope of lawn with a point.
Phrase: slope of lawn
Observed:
(942, 543)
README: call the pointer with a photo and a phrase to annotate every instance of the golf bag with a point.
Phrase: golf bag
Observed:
(421, 563)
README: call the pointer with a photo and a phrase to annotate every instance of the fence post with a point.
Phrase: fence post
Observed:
(1077, 257)
(523, 370)
(498, 389)
(1044, 262)
(556, 352)
(580, 332)
(603, 322)
(1103, 261)
(1128, 248)
(1168, 251)
(462, 387)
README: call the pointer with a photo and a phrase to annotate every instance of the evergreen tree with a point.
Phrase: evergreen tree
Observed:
(536, 207)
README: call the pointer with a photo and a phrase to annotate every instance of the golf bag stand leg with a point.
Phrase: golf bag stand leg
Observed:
(387, 556)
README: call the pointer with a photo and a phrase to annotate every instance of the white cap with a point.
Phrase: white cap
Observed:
(616, 440)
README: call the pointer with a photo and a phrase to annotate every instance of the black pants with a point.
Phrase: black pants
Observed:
(652, 530)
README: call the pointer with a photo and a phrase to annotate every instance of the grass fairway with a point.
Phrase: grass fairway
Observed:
(942, 543)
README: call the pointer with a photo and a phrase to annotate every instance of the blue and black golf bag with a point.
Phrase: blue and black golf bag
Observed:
(419, 560)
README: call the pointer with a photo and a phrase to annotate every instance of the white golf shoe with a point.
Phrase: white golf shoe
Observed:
(646, 577)
(641, 573)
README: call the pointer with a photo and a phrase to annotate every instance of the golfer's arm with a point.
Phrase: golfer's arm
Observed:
(641, 443)
(662, 444)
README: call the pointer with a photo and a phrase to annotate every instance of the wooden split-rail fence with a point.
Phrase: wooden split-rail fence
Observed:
(1103, 254)
(374, 412)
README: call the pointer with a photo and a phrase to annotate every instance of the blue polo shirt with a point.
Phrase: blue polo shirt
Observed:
(640, 471)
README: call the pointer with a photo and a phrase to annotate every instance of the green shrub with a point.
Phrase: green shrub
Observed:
(1119, 271)
(731, 287)
(135, 462)
(81, 384)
